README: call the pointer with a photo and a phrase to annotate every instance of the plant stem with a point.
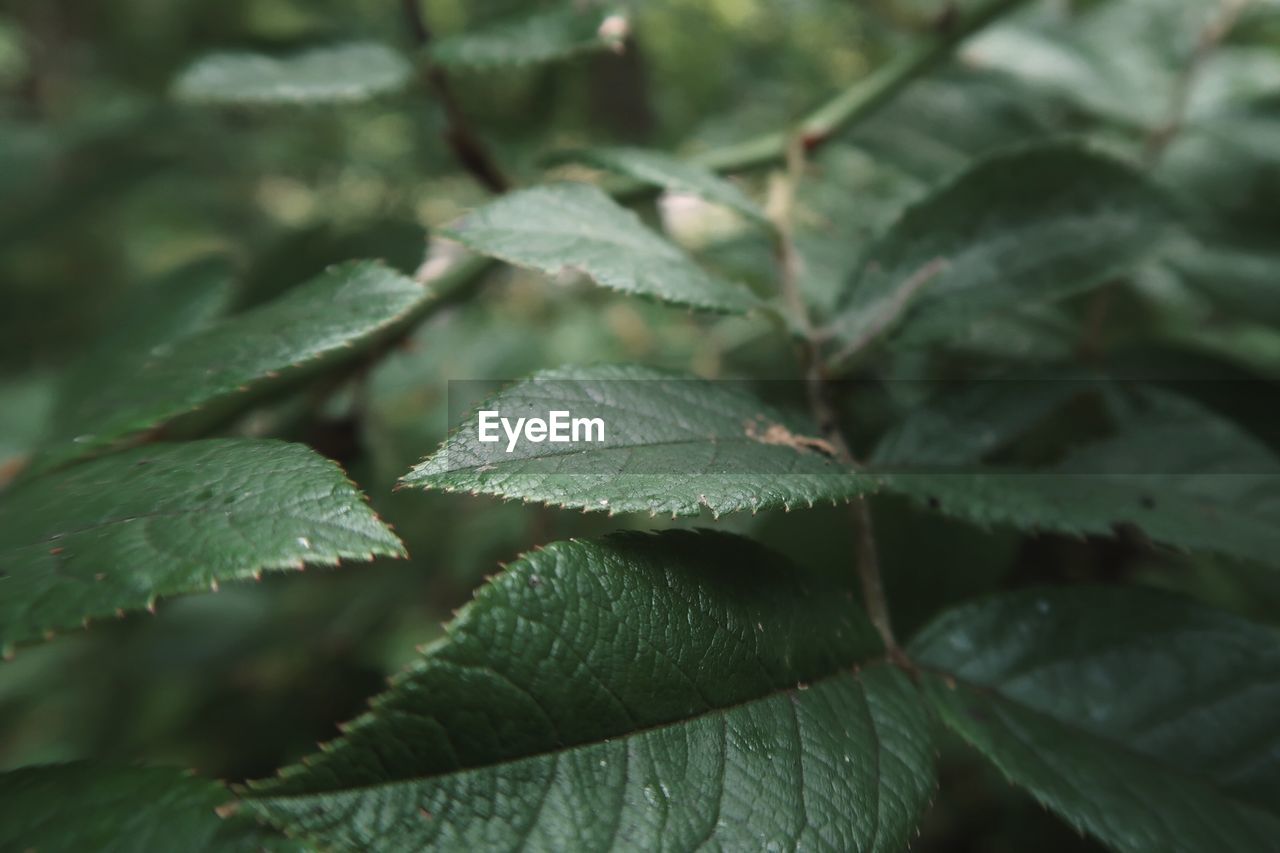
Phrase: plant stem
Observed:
(469, 150)
(866, 559)
(847, 108)
(869, 576)
(843, 111)
(782, 201)
(1093, 344)
(862, 98)
(866, 556)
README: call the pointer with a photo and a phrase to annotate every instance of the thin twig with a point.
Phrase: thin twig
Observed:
(1092, 344)
(866, 558)
(866, 555)
(1210, 38)
(869, 575)
(469, 150)
(846, 109)
(850, 106)
(782, 203)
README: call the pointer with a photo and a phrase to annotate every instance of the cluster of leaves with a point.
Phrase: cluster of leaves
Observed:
(1016, 260)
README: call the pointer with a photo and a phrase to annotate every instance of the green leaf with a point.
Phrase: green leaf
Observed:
(564, 227)
(649, 692)
(72, 807)
(1039, 333)
(662, 170)
(326, 322)
(150, 318)
(1228, 170)
(115, 533)
(836, 218)
(673, 443)
(538, 38)
(1242, 281)
(337, 74)
(1141, 718)
(1176, 472)
(961, 425)
(1019, 228)
(941, 123)
(1125, 62)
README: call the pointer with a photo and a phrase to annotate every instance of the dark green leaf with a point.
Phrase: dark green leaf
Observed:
(150, 318)
(1125, 62)
(327, 321)
(644, 692)
(941, 124)
(961, 425)
(1140, 718)
(566, 227)
(343, 73)
(1242, 282)
(82, 807)
(1228, 170)
(115, 533)
(672, 443)
(1176, 472)
(1020, 228)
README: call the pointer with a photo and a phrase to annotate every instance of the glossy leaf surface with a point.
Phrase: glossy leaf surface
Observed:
(1138, 717)
(672, 444)
(668, 691)
(115, 533)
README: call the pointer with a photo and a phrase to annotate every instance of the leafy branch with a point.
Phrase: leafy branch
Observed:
(843, 111)
(1157, 142)
(687, 689)
(864, 97)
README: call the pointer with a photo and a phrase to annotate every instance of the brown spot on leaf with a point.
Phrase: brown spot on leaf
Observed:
(772, 433)
(9, 468)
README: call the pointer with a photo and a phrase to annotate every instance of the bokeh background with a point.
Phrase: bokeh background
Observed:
(116, 195)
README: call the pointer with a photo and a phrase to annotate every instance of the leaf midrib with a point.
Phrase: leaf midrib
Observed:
(699, 439)
(840, 469)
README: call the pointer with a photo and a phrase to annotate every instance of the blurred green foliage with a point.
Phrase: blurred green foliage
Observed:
(111, 185)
